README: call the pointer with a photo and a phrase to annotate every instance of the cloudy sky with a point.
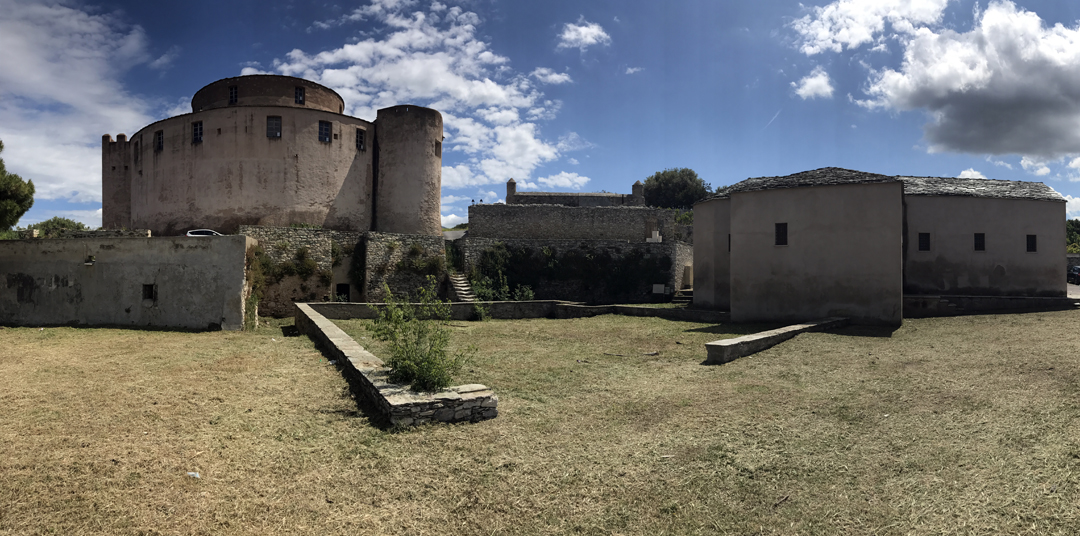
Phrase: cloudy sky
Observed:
(570, 95)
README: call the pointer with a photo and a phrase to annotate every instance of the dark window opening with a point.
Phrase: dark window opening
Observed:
(438, 149)
(1032, 243)
(980, 241)
(234, 95)
(359, 139)
(149, 292)
(324, 131)
(299, 95)
(341, 292)
(924, 241)
(219, 132)
(273, 126)
(781, 234)
(729, 243)
(159, 141)
(196, 132)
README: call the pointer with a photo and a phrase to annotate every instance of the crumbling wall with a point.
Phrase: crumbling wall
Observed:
(402, 262)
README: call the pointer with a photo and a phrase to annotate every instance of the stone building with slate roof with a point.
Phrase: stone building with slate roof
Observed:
(838, 242)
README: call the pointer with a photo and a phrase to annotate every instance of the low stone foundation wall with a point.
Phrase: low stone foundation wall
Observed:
(399, 404)
(923, 306)
(512, 310)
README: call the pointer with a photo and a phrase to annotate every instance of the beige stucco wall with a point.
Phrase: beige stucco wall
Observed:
(952, 266)
(237, 175)
(409, 143)
(843, 258)
(267, 90)
(200, 282)
(712, 224)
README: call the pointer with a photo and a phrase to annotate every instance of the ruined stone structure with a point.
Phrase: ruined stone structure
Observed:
(570, 199)
(837, 242)
(274, 151)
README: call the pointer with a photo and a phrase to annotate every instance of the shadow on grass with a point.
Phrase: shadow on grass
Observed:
(289, 331)
(865, 331)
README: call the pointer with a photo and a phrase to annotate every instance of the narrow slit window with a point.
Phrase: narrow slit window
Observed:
(980, 241)
(273, 126)
(729, 243)
(149, 292)
(924, 241)
(234, 95)
(196, 132)
(1032, 243)
(299, 95)
(781, 234)
(325, 131)
(159, 141)
(359, 139)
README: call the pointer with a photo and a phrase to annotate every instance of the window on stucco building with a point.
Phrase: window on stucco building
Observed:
(299, 95)
(980, 241)
(196, 132)
(781, 234)
(1032, 243)
(924, 241)
(325, 131)
(273, 126)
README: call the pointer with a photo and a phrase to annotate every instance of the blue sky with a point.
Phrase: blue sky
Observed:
(573, 96)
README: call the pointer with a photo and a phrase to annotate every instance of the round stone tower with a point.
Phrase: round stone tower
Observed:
(408, 145)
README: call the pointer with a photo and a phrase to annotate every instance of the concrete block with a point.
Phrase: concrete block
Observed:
(726, 350)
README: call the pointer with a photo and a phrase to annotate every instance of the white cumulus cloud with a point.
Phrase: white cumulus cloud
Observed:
(852, 23)
(970, 173)
(634, 70)
(564, 180)
(549, 76)
(1034, 166)
(814, 85)
(582, 35)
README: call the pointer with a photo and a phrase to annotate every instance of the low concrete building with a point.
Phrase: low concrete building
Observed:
(193, 283)
(837, 242)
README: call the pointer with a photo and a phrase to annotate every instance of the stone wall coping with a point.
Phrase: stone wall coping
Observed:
(726, 350)
(400, 405)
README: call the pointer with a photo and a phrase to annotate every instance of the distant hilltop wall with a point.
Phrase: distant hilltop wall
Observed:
(635, 199)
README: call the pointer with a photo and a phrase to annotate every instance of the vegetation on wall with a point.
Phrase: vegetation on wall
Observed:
(263, 271)
(52, 226)
(1072, 235)
(418, 261)
(16, 196)
(524, 269)
(419, 349)
(675, 188)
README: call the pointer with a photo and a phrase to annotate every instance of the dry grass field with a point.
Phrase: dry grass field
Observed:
(964, 425)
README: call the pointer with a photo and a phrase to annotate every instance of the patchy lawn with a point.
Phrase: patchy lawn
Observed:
(964, 425)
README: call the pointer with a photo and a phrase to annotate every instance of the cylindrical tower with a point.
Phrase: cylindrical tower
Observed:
(408, 181)
(511, 191)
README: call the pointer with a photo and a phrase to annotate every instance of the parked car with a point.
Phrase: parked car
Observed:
(203, 232)
(1073, 275)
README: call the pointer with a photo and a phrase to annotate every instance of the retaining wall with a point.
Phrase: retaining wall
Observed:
(398, 404)
(555, 222)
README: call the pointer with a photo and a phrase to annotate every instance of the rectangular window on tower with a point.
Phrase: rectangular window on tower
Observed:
(360, 139)
(234, 95)
(196, 132)
(924, 241)
(273, 126)
(325, 131)
(159, 141)
(1032, 244)
(299, 95)
(980, 241)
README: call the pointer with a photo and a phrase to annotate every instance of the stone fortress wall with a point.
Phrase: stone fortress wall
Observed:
(274, 151)
(571, 199)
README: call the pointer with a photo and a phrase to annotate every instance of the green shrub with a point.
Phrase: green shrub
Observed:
(419, 348)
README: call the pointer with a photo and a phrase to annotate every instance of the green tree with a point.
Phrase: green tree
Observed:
(1072, 235)
(56, 223)
(16, 196)
(675, 188)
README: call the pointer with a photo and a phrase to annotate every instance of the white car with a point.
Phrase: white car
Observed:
(203, 232)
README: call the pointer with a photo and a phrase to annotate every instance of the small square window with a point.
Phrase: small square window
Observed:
(299, 95)
(149, 292)
(325, 130)
(781, 234)
(234, 95)
(360, 139)
(196, 132)
(1032, 243)
(980, 241)
(273, 126)
(159, 141)
(924, 241)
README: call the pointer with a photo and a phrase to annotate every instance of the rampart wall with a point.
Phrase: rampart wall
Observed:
(555, 222)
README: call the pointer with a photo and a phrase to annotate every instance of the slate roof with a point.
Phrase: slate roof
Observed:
(912, 185)
(979, 188)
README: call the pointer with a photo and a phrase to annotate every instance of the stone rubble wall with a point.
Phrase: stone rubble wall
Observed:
(575, 199)
(71, 233)
(556, 222)
(399, 405)
(388, 259)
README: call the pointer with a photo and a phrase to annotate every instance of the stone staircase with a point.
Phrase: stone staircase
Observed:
(462, 290)
(684, 296)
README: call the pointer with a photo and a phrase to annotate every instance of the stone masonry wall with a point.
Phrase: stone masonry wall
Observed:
(556, 282)
(71, 233)
(555, 222)
(402, 262)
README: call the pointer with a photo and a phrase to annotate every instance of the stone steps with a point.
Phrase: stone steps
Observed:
(685, 295)
(462, 289)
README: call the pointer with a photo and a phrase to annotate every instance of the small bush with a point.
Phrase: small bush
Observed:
(419, 348)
